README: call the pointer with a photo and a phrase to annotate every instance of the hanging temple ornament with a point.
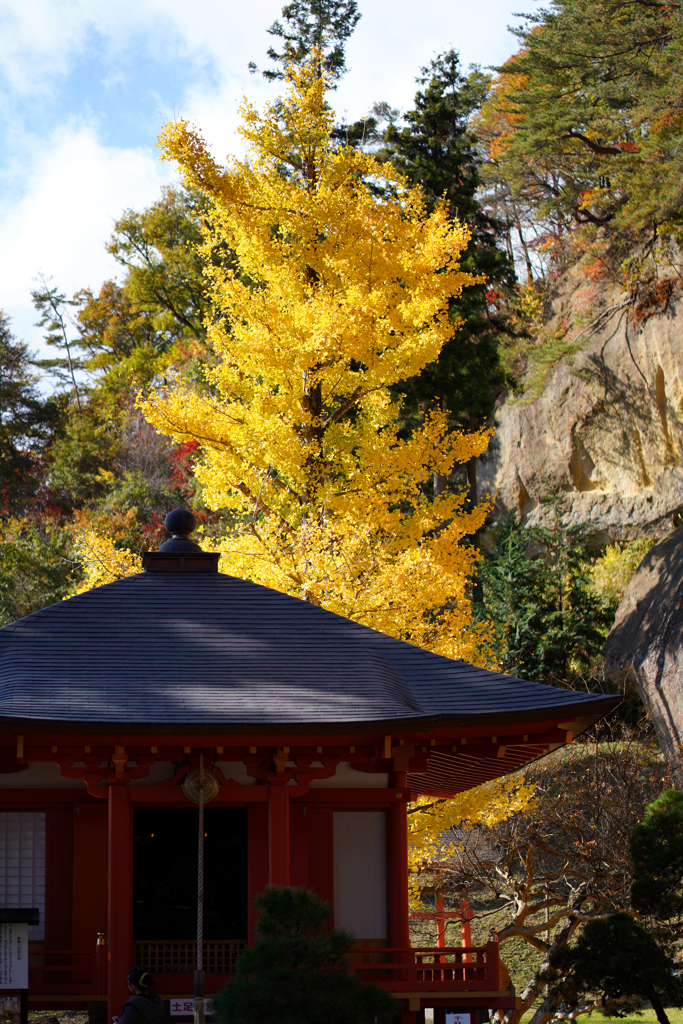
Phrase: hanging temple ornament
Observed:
(192, 785)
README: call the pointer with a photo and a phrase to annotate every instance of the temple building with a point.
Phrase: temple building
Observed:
(319, 731)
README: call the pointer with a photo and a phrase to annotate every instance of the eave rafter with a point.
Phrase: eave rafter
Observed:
(436, 765)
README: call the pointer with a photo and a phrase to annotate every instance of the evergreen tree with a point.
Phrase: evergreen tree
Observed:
(615, 958)
(320, 25)
(26, 424)
(536, 589)
(294, 973)
(656, 848)
(57, 320)
(437, 149)
(585, 121)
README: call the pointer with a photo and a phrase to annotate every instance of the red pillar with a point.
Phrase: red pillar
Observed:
(399, 924)
(278, 835)
(440, 923)
(120, 897)
(465, 930)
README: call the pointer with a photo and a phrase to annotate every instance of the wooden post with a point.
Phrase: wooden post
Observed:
(278, 835)
(399, 922)
(120, 897)
(441, 923)
(465, 929)
(101, 964)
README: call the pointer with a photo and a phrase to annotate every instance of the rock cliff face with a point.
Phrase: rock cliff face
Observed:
(607, 426)
(645, 644)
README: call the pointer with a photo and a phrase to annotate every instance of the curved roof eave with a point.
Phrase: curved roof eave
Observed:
(198, 650)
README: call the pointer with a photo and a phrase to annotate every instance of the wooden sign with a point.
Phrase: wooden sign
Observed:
(183, 1007)
(13, 955)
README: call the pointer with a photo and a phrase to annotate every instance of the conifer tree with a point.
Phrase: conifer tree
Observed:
(295, 971)
(656, 848)
(342, 293)
(585, 121)
(436, 148)
(613, 959)
(552, 626)
(27, 422)
(312, 26)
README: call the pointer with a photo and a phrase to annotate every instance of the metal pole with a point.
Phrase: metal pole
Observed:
(199, 969)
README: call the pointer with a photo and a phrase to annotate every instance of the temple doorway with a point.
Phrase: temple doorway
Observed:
(165, 873)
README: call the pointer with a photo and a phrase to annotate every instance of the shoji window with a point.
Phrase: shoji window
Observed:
(360, 873)
(22, 863)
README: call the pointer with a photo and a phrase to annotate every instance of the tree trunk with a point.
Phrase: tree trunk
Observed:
(439, 484)
(472, 494)
(525, 250)
(657, 1005)
(528, 996)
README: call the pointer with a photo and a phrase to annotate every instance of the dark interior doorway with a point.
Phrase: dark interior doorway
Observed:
(165, 873)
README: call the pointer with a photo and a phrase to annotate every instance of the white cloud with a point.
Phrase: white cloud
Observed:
(40, 39)
(75, 189)
(68, 189)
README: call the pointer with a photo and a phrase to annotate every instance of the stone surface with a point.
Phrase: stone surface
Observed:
(607, 427)
(645, 644)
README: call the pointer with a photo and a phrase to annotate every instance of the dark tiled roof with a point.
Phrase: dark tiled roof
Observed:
(206, 648)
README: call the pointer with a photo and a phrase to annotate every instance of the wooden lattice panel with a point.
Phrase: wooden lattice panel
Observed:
(177, 957)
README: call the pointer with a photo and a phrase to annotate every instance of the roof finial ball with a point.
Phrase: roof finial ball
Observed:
(180, 523)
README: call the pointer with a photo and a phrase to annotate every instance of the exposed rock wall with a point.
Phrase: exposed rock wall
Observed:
(607, 427)
(645, 644)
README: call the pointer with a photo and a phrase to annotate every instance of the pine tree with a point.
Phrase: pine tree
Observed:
(613, 959)
(27, 423)
(295, 971)
(312, 26)
(585, 121)
(437, 149)
(656, 848)
(536, 589)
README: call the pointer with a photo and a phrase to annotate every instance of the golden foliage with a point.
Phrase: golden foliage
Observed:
(342, 290)
(430, 819)
(94, 543)
(612, 572)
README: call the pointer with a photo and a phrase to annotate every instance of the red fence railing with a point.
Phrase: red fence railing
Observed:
(453, 968)
(68, 971)
(426, 968)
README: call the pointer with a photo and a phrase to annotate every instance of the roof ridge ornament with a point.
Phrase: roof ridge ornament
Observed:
(180, 523)
(180, 554)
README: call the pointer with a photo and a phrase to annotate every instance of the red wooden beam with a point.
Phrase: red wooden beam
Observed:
(173, 796)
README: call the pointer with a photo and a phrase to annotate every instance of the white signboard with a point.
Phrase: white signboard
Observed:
(13, 956)
(458, 1018)
(182, 1007)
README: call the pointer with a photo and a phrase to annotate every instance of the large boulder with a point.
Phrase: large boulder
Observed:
(605, 426)
(645, 644)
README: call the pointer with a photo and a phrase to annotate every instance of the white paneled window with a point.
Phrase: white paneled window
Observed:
(22, 863)
(360, 873)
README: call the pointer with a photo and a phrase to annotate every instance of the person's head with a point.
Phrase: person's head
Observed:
(139, 981)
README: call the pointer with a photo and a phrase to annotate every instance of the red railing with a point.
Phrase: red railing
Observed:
(423, 969)
(68, 971)
(428, 968)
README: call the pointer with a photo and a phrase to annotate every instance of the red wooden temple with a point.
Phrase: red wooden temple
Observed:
(319, 731)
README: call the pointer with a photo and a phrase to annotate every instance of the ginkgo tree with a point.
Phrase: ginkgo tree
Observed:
(340, 289)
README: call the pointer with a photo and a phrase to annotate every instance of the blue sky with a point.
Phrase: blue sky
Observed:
(87, 84)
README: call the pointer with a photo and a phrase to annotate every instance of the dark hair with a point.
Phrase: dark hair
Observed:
(140, 978)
